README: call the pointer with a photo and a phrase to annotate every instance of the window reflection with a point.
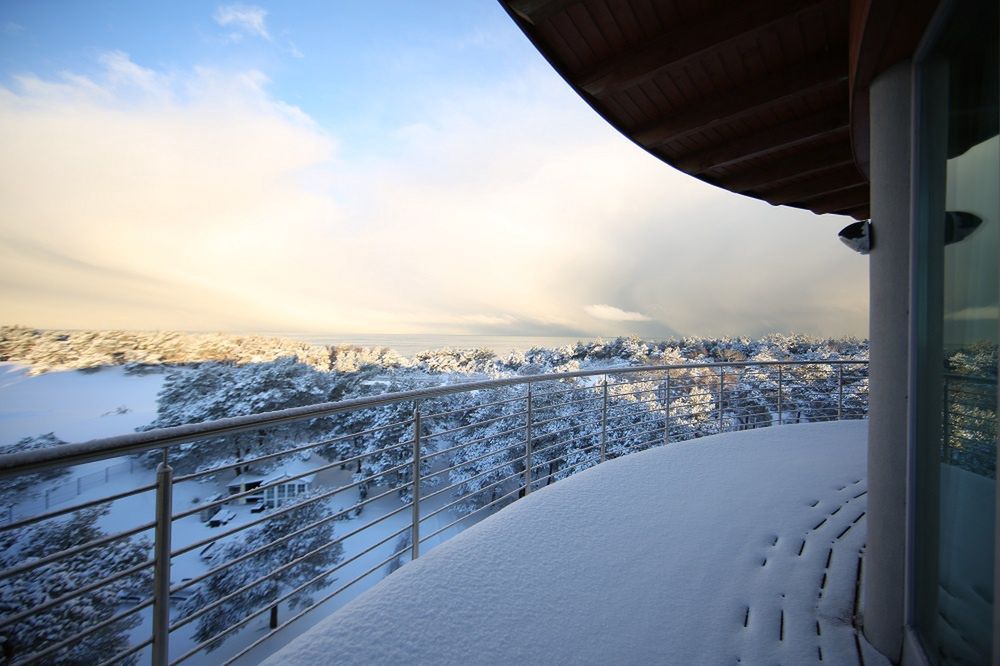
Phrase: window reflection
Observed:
(957, 327)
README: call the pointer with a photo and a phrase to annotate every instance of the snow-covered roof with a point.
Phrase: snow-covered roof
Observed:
(742, 546)
(284, 475)
(246, 477)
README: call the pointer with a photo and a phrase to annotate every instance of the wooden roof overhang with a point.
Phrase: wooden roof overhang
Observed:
(753, 96)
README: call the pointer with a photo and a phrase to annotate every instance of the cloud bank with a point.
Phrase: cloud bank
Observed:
(611, 313)
(141, 199)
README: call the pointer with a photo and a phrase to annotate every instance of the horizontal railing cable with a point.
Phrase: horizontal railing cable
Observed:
(466, 516)
(294, 507)
(74, 550)
(298, 615)
(75, 638)
(31, 520)
(299, 449)
(312, 581)
(69, 596)
(470, 408)
(477, 424)
(125, 654)
(473, 442)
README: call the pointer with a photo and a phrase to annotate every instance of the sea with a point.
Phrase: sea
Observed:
(409, 345)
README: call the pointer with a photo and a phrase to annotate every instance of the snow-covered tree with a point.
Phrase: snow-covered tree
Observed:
(485, 468)
(221, 390)
(464, 361)
(567, 429)
(747, 397)
(262, 594)
(16, 489)
(693, 404)
(33, 588)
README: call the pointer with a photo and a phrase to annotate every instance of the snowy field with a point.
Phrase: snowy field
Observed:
(74, 405)
(741, 547)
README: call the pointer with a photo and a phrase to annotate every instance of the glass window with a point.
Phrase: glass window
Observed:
(958, 295)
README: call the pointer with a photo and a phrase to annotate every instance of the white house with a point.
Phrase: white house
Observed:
(284, 489)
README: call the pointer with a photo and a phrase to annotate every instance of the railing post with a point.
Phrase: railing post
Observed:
(840, 392)
(722, 375)
(781, 376)
(604, 421)
(527, 446)
(161, 559)
(666, 417)
(416, 480)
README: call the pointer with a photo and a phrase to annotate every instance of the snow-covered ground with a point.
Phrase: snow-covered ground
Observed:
(740, 547)
(74, 405)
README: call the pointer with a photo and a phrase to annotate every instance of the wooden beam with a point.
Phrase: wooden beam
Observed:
(778, 88)
(843, 200)
(803, 190)
(800, 165)
(766, 141)
(677, 47)
(535, 11)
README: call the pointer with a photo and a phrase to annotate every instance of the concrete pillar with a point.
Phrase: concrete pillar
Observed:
(889, 273)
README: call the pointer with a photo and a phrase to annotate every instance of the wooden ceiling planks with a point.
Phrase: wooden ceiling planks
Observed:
(751, 96)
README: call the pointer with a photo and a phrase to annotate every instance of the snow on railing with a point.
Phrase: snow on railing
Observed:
(236, 526)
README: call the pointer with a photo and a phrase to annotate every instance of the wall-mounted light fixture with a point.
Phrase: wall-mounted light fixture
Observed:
(958, 225)
(857, 236)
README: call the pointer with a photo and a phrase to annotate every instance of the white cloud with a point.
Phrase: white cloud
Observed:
(11, 28)
(199, 201)
(120, 71)
(245, 19)
(611, 313)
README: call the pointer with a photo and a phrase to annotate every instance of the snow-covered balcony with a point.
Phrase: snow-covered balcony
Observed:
(742, 547)
(694, 513)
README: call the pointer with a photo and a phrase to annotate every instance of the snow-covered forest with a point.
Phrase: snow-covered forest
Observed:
(44, 350)
(349, 476)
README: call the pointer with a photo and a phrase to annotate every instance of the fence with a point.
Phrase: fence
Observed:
(426, 462)
(64, 492)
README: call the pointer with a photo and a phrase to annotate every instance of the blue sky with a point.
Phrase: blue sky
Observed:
(365, 167)
(356, 67)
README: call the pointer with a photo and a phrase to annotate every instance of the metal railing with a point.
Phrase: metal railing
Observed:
(237, 521)
(969, 422)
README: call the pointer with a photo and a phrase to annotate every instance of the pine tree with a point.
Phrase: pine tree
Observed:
(17, 489)
(221, 390)
(262, 594)
(33, 588)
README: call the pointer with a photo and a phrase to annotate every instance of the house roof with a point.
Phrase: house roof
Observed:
(243, 478)
(767, 98)
(281, 476)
